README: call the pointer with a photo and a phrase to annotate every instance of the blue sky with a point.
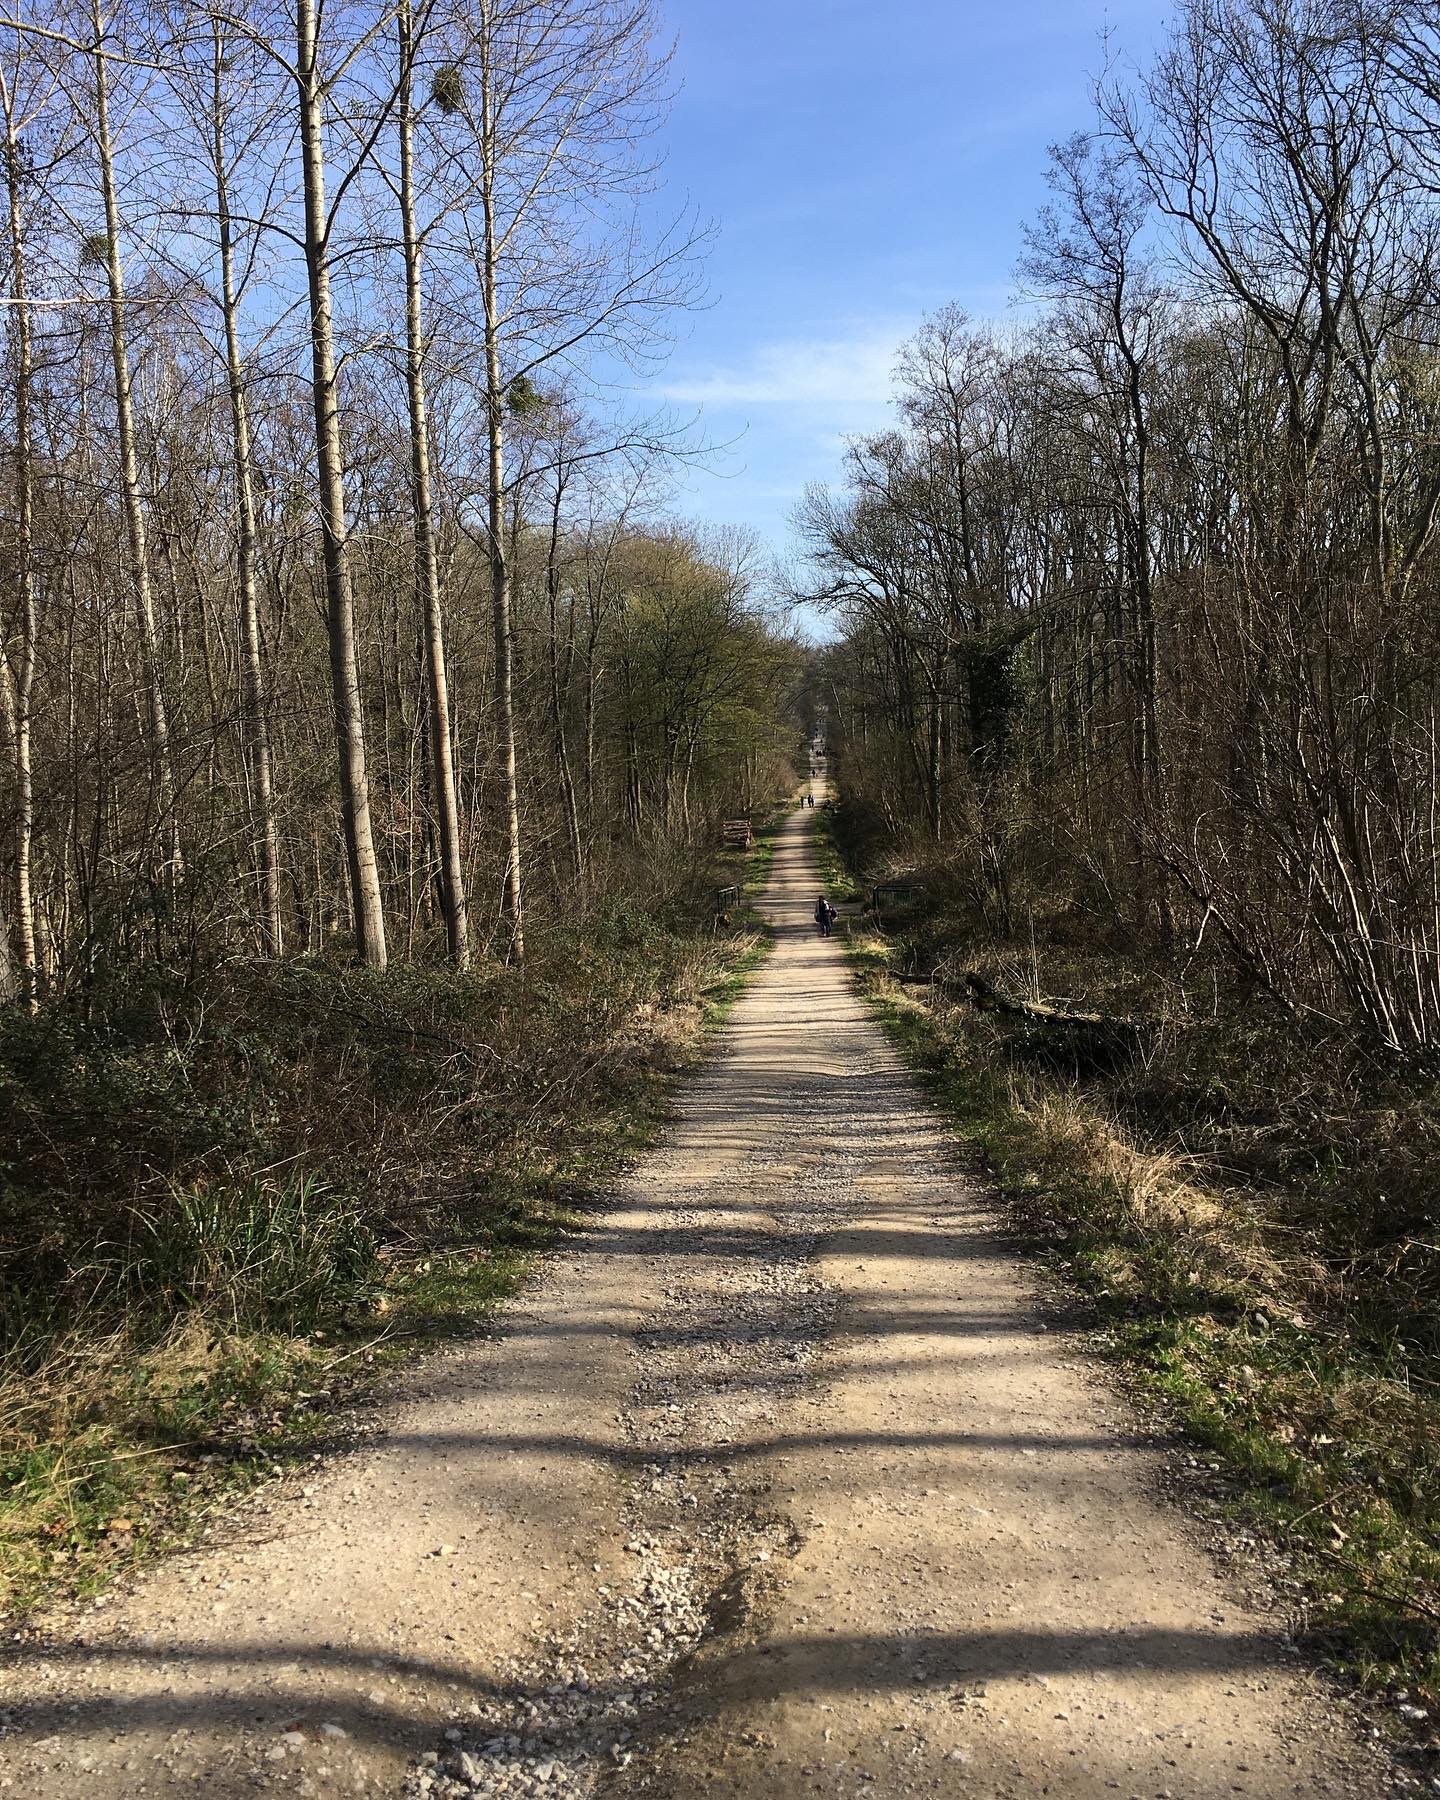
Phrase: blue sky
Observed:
(865, 161)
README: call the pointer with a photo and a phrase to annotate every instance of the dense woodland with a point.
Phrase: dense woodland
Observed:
(338, 609)
(1135, 682)
(366, 719)
(366, 716)
(1137, 601)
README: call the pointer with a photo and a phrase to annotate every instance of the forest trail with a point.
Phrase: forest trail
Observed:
(775, 1484)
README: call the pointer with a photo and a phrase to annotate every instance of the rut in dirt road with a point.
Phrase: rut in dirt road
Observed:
(775, 1485)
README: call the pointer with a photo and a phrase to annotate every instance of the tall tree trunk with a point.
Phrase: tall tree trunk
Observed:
(427, 562)
(131, 506)
(366, 903)
(634, 789)
(1152, 893)
(558, 685)
(20, 688)
(9, 986)
(500, 598)
(592, 684)
(254, 723)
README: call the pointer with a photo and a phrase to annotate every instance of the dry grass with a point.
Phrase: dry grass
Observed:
(1219, 1299)
(226, 1310)
(1159, 1194)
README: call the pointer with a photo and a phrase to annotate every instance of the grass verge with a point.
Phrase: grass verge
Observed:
(835, 876)
(762, 852)
(237, 1317)
(1322, 1440)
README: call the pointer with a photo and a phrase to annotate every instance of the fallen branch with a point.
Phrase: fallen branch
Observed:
(1039, 1012)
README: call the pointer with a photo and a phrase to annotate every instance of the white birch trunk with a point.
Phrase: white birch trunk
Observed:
(131, 505)
(427, 562)
(364, 869)
(20, 688)
(255, 726)
(500, 599)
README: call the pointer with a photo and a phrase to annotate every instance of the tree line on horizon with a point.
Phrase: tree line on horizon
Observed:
(1137, 599)
(339, 604)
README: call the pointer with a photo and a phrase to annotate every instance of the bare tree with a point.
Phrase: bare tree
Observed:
(19, 679)
(313, 88)
(558, 99)
(1209, 520)
(427, 560)
(104, 249)
(318, 502)
(1086, 252)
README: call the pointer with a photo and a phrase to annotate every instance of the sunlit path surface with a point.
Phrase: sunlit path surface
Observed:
(777, 1485)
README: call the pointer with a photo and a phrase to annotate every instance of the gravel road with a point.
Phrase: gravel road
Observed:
(778, 1483)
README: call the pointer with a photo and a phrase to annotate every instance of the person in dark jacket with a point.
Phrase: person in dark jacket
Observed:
(825, 915)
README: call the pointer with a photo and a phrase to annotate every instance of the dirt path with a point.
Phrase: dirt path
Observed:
(777, 1485)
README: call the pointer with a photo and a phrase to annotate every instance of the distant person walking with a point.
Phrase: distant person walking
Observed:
(825, 915)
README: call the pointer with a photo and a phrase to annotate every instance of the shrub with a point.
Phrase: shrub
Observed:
(256, 1253)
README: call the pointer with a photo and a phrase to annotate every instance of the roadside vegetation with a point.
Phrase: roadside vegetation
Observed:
(1135, 681)
(366, 723)
(1248, 1233)
(838, 880)
(234, 1201)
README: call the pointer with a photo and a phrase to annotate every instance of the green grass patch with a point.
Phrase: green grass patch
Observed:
(720, 998)
(761, 854)
(837, 878)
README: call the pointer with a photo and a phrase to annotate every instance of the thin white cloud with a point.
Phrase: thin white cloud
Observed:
(824, 372)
